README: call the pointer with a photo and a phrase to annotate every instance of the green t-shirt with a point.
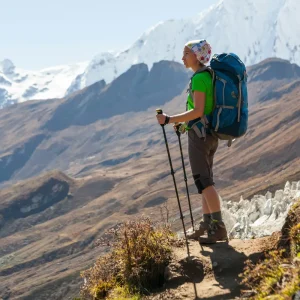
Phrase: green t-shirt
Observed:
(202, 82)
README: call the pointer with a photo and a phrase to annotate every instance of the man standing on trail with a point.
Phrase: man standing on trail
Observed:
(202, 145)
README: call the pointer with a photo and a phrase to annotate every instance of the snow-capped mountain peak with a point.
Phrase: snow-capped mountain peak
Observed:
(253, 29)
(17, 85)
(7, 67)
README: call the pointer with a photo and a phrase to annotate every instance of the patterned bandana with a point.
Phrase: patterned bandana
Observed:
(201, 48)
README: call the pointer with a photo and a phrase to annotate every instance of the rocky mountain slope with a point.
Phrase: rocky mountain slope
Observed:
(119, 169)
(80, 134)
(44, 131)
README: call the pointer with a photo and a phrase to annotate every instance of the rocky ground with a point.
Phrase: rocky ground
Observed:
(211, 272)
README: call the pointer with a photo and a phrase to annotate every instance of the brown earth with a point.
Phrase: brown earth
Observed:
(211, 272)
(116, 169)
(217, 271)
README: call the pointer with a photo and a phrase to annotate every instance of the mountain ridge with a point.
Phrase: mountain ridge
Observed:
(270, 21)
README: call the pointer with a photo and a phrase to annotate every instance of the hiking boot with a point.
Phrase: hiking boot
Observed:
(217, 232)
(203, 227)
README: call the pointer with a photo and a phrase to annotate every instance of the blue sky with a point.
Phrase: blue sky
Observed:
(38, 33)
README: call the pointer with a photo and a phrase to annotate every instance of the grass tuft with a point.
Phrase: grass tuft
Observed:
(277, 276)
(140, 252)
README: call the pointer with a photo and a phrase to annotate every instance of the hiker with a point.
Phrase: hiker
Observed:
(202, 145)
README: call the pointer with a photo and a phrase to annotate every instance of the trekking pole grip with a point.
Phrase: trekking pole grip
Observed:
(177, 130)
(159, 112)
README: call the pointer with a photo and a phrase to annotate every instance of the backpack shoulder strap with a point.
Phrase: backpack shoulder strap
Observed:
(203, 69)
(210, 71)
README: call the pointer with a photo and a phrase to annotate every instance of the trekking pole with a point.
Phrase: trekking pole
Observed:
(185, 178)
(159, 111)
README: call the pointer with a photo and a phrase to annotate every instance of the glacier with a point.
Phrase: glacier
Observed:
(262, 215)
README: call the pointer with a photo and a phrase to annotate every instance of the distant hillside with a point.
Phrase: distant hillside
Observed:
(36, 135)
(119, 168)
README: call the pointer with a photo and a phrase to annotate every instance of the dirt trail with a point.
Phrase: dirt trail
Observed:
(212, 271)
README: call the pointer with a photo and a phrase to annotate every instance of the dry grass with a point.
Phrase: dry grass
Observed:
(140, 252)
(278, 275)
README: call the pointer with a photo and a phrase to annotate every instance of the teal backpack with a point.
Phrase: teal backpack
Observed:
(229, 118)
